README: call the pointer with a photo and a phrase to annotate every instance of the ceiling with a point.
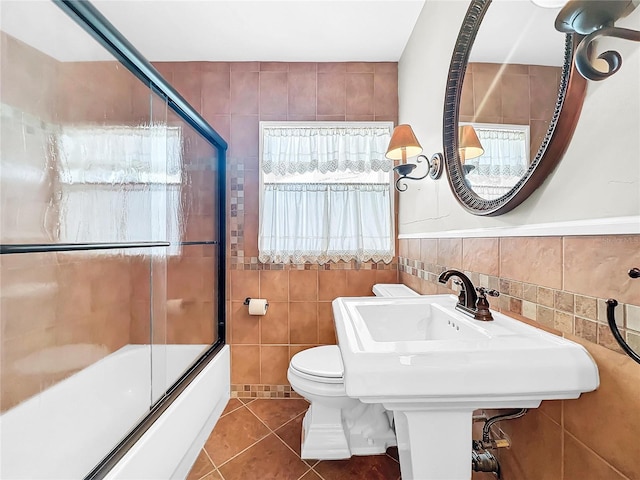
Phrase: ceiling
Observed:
(532, 37)
(279, 30)
(226, 30)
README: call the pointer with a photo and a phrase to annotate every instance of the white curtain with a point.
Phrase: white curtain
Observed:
(503, 163)
(120, 184)
(324, 149)
(326, 222)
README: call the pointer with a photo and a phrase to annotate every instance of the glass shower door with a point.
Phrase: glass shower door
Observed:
(185, 308)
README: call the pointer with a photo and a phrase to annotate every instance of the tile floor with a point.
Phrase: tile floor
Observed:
(259, 439)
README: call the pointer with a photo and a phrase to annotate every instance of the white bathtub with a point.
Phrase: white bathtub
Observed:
(66, 430)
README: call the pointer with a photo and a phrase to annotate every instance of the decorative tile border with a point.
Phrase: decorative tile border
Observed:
(236, 208)
(567, 312)
(252, 263)
(262, 391)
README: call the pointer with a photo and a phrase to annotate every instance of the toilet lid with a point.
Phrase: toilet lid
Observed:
(324, 361)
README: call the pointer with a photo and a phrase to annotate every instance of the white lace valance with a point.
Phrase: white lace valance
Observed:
(504, 161)
(321, 223)
(290, 150)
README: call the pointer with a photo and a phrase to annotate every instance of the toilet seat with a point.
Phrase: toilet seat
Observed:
(319, 364)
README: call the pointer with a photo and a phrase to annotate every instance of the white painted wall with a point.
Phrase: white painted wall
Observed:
(599, 176)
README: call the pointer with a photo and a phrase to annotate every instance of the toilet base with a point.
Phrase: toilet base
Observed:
(329, 433)
(323, 435)
(369, 428)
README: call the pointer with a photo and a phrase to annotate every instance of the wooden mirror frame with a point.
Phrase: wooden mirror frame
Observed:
(571, 95)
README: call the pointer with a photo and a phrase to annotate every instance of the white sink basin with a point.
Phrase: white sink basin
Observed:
(433, 366)
(422, 346)
(400, 327)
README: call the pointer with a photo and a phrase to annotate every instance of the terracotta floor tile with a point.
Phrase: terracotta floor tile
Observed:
(232, 434)
(277, 412)
(233, 404)
(212, 476)
(311, 475)
(376, 467)
(393, 453)
(290, 433)
(246, 400)
(201, 467)
(268, 459)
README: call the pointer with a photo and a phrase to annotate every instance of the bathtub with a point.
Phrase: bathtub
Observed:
(63, 432)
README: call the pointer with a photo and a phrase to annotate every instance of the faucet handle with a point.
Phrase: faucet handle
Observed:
(482, 305)
(484, 291)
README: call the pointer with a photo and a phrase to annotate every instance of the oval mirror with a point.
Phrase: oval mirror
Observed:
(512, 102)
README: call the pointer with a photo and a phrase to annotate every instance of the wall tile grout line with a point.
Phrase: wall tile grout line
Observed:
(576, 439)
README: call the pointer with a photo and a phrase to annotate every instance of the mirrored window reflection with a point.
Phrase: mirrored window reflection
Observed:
(512, 85)
(504, 159)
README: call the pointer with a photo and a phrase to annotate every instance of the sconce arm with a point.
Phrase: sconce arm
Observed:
(435, 165)
(613, 58)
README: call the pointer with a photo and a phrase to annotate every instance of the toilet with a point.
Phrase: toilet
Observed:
(337, 426)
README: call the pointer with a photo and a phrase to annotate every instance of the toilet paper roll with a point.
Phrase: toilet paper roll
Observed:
(258, 306)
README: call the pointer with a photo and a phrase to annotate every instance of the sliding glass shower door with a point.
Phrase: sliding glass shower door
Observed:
(110, 232)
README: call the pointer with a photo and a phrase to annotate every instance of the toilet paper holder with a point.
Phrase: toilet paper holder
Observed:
(248, 299)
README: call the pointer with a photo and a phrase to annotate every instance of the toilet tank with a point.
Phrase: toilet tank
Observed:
(393, 290)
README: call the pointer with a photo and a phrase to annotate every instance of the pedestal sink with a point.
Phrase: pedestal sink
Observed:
(433, 366)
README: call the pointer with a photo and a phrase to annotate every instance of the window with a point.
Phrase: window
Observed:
(325, 192)
(504, 161)
(120, 184)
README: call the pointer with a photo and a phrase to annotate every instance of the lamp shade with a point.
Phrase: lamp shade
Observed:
(468, 142)
(403, 144)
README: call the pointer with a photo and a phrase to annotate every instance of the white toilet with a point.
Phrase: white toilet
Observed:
(337, 426)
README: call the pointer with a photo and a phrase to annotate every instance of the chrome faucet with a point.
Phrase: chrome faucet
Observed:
(468, 301)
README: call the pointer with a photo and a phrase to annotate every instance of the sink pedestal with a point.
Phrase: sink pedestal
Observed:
(432, 366)
(443, 453)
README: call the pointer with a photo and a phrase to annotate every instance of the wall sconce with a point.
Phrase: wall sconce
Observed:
(595, 18)
(404, 144)
(469, 146)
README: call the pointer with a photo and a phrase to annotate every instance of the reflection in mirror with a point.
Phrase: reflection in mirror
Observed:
(511, 78)
(509, 93)
(501, 158)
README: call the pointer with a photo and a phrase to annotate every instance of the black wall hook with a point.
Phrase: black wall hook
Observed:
(612, 303)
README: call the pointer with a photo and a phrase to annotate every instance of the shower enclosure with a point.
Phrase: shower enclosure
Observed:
(112, 231)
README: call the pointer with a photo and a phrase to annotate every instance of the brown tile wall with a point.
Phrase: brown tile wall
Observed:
(513, 94)
(234, 98)
(558, 284)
